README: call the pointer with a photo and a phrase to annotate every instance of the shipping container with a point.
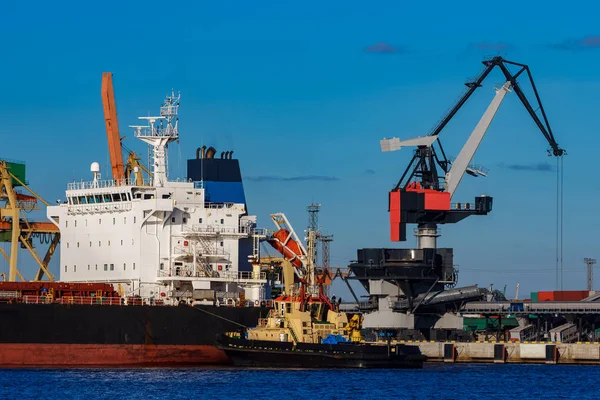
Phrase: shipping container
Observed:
(534, 297)
(545, 296)
(570, 295)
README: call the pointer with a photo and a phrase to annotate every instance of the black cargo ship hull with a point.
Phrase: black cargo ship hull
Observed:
(105, 335)
(271, 354)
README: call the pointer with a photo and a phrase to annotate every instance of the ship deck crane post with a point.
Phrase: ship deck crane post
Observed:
(121, 173)
(423, 194)
(112, 128)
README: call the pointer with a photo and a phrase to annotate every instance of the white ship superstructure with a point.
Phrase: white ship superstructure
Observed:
(161, 240)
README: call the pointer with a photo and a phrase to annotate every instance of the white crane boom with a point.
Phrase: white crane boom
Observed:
(461, 163)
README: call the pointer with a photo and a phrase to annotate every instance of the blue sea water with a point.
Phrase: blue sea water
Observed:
(434, 381)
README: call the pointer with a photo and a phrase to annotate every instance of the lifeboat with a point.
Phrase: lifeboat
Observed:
(286, 246)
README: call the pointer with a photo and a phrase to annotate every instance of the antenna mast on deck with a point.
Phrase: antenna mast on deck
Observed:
(158, 135)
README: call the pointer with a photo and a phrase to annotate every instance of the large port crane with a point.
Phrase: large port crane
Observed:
(412, 292)
(424, 192)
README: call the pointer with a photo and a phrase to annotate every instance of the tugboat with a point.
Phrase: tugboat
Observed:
(306, 328)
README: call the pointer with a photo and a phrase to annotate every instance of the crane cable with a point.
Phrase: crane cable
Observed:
(559, 222)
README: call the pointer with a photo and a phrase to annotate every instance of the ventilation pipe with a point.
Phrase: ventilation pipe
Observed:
(210, 152)
(200, 150)
(230, 154)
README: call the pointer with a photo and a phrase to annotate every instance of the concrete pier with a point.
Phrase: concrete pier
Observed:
(500, 352)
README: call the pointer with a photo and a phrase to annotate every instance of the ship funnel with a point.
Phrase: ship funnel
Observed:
(210, 152)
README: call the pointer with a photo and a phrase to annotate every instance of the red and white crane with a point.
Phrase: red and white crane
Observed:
(423, 194)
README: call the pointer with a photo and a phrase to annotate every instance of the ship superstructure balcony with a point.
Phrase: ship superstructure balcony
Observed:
(218, 230)
(217, 276)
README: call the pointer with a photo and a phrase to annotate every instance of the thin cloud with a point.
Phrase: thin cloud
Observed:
(541, 167)
(384, 48)
(488, 46)
(305, 178)
(370, 171)
(588, 42)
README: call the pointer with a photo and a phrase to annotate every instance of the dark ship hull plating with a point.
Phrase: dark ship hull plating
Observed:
(103, 335)
(272, 354)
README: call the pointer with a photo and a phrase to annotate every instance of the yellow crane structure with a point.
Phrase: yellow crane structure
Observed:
(14, 226)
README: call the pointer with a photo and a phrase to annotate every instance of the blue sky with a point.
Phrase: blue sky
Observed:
(306, 90)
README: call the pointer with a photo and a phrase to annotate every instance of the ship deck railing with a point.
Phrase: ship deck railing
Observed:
(232, 276)
(105, 183)
(91, 300)
(218, 230)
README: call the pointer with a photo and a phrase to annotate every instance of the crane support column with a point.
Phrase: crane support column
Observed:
(10, 211)
(427, 235)
(459, 166)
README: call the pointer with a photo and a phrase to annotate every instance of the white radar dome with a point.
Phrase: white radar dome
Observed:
(95, 167)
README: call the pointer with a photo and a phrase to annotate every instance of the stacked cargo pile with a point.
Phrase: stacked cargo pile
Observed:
(559, 295)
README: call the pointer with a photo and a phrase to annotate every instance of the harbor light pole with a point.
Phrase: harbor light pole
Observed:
(590, 272)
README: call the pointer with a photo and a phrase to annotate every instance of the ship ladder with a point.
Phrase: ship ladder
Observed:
(292, 331)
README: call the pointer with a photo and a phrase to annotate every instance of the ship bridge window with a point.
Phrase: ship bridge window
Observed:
(90, 199)
(148, 196)
(128, 196)
(74, 200)
(107, 198)
(116, 197)
(82, 200)
(98, 198)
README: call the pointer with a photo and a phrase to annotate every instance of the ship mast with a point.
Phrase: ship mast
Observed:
(158, 135)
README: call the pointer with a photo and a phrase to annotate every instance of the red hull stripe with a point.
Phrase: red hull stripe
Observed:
(37, 354)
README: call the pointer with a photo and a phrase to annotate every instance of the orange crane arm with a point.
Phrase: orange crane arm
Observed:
(112, 127)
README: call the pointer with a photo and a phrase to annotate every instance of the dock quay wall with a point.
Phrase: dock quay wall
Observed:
(510, 352)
